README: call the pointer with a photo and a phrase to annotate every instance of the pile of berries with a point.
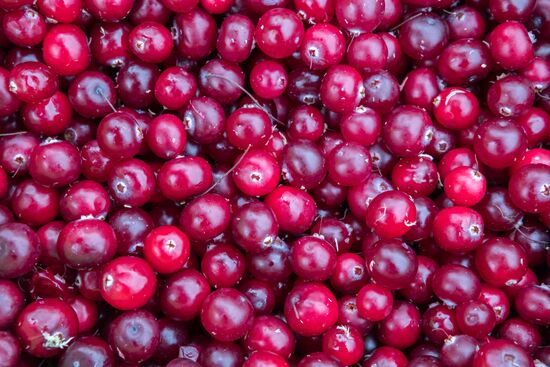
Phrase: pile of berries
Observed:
(274, 183)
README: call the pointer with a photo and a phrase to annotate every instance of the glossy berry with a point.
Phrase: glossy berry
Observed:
(465, 186)
(391, 214)
(279, 33)
(127, 283)
(226, 314)
(166, 249)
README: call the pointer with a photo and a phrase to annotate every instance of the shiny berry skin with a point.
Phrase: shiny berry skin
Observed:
(50, 116)
(88, 350)
(34, 204)
(310, 309)
(349, 164)
(416, 176)
(205, 217)
(32, 81)
(362, 126)
(175, 87)
(270, 334)
(323, 46)
(166, 249)
(510, 96)
(391, 263)
(465, 186)
(96, 164)
(293, 208)
(183, 294)
(359, 17)
(221, 80)
(510, 45)
(248, 126)
(303, 164)
(10, 103)
(223, 265)
(127, 283)
(226, 314)
(407, 131)
(531, 304)
(501, 353)
(63, 11)
(254, 227)
(374, 302)
(454, 284)
(134, 335)
(12, 301)
(166, 136)
(456, 108)
(528, 188)
(424, 36)
(475, 318)
(55, 164)
(183, 177)
(279, 33)
(391, 214)
(120, 135)
(151, 42)
(235, 38)
(65, 49)
(401, 329)
(341, 89)
(268, 79)
(20, 250)
(24, 27)
(196, 33)
(312, 258)
(458, 229)
(131, 182)
(464, 61)
(344, 343)
(86, 243)
(500, 261)
(46, 327)
(109, 10)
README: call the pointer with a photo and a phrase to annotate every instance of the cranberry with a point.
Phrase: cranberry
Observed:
(223, 265)
(66, 50)
(459, 351)
(10, 103)
(131, 182)
(86, 243)
(219, 354)
(522, 333)
(254, 227)
(293, 208)
(458, 229)
(464, 61)
(454, 284)
(226, 314)
(34, 204)
(12, 303)
(120, 135)
(510, 45)
(268, 79)
(46, 327)
(528, 188)
(127, 282)
(423, 36)
(182, 296)
(358, 17)
(310, 309)
(205, 217)
(235, 38)
(279, 32)
(341, 89)
(391, 263)
(55, 164)
(175, 87)
(87, 350)
(391, 214)
(131, 226)
(465, 186)
(349, 274)
(20, 249)
(303, 164)
(401, 328)
(134, 335)
(532, 304)
(510, 96)
(313, 258)
(374, 302)
(416, 176)
(196, 33)
(501, 353)
(386, 355)
(407, 131)
(270, 334)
